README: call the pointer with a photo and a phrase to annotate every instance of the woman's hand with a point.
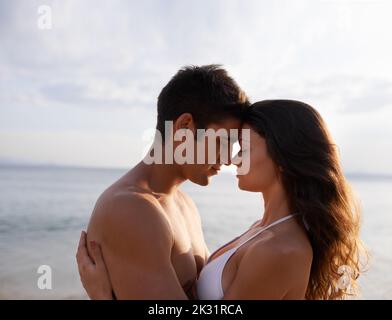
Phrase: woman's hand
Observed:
(92, 270)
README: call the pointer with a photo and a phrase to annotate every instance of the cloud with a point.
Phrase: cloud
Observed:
(344, 93)
(97, 95)
(102, 66)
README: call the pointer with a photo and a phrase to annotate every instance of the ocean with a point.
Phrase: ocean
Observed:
(43, 210)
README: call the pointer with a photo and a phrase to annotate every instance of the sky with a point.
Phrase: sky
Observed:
(84, 91)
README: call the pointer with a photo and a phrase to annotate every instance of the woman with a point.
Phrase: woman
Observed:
(306, 246)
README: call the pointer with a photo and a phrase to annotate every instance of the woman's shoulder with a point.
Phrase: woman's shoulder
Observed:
(267, 270)
(272, 266)
(273, 251)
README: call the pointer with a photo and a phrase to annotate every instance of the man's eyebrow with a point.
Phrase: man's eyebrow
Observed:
(234, 136)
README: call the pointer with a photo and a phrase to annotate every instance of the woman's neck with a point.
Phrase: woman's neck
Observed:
(275, 204)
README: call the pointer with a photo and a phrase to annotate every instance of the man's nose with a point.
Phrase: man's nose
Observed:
(225, 159)
(236, 160)
(228, 161)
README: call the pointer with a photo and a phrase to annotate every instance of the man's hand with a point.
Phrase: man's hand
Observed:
(92, 270)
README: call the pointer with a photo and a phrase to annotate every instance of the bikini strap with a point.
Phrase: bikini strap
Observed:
(266, 227)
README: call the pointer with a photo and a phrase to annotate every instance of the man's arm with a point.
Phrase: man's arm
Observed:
(136, 245)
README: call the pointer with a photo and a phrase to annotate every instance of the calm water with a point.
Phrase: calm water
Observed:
(43, 210)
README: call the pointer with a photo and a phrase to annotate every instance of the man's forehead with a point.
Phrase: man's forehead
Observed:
(229, 123)
(225, 130)
(232, 135)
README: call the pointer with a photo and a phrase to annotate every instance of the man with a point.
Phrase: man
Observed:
(149, 231)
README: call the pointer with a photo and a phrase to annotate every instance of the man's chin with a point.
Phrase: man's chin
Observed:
(202, 181)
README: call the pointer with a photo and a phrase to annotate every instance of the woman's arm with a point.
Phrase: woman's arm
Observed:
(92, 270)
(264, 273)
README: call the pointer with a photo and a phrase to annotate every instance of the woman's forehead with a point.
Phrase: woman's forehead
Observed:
(244, 133)
(244, 130)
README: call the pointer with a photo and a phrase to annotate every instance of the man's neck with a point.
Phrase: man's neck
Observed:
(162, 178)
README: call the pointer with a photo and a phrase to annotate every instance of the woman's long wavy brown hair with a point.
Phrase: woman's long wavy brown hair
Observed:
(299, 143)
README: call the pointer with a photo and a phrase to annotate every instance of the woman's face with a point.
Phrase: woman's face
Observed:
(262, 171)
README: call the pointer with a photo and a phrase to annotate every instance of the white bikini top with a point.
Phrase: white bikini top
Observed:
(209, 283)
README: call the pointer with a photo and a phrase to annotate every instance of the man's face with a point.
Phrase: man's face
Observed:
(206, 147)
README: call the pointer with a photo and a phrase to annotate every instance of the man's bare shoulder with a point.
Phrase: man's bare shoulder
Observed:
(128, 202)
(132, 215)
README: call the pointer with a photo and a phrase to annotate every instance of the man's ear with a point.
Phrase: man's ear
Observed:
(184, 121)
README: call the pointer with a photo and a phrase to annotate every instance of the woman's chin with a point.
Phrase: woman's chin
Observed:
(246, 187)
(241, 184)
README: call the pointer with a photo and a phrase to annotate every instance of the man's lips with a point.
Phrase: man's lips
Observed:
(214, 170)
